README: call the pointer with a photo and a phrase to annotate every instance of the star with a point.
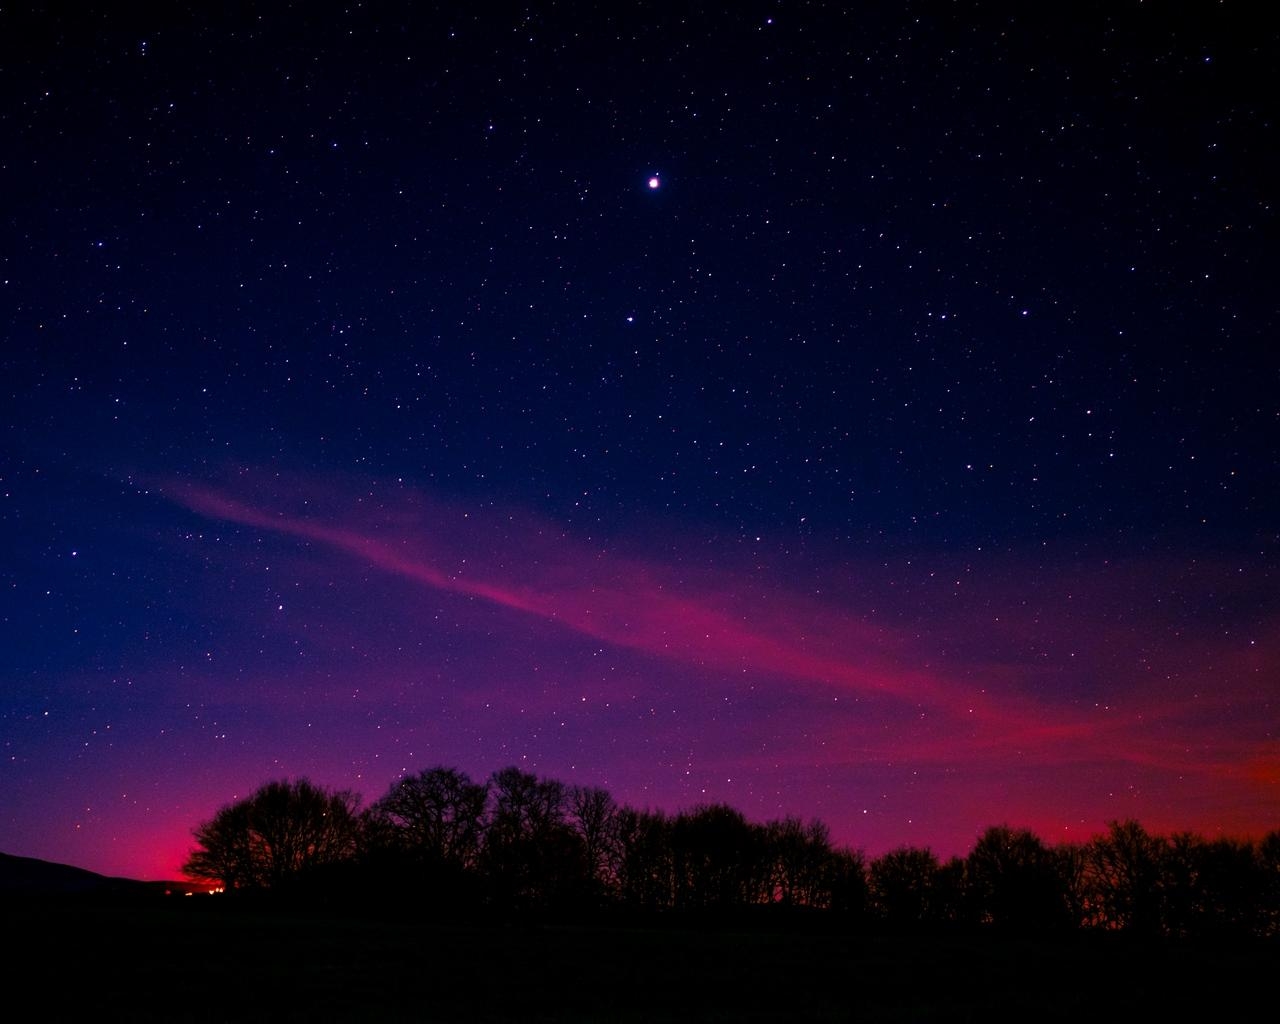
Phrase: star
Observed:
(655, 182)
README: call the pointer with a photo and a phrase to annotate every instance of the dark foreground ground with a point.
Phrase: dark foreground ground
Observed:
(188, 960)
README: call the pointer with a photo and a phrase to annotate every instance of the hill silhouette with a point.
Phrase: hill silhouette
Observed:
(30, 876)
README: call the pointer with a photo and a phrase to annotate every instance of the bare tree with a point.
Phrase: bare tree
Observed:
(902, 885)
(532, 856)
(844, 883)
(717, 856)
(276, 835)
(593, 814)
(796, 858)
(646, 873)
(1125, 877)
(228, 851)
(1073, 867)
(437, 816)
(1015, 881)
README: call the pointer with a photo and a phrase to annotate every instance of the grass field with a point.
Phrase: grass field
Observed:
(191, 960)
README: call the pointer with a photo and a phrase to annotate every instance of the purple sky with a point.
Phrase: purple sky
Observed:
(363, 629)
(907, 458)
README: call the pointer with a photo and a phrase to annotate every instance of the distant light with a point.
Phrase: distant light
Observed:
(655, 182)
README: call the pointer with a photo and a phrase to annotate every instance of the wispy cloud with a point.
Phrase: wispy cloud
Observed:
(916, 705)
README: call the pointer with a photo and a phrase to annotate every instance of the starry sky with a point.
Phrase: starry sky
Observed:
(862, 411)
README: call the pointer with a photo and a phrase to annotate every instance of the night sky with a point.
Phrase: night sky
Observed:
(862, 411)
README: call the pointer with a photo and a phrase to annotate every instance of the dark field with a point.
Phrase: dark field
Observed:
(191, 960)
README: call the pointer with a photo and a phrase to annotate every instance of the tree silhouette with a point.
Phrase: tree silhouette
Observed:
(424, 838)
(228, 849)
(951, 897)
(594, 816)
(646, 871)
(438, 816)
(519, 843)
(279, 833)
(717, 860)
(1268, 861)
(1126, 878)
(902, 886)
(532, 857)
(797, 858)
(844, 884)
(1212, 887)
(1016, 881)
(1073, 869)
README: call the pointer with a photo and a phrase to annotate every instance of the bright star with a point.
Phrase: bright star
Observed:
(655, 181)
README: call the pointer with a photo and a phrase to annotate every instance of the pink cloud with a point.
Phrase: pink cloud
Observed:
(609, 599)
(1055, 671)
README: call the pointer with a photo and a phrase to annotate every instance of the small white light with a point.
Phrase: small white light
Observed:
(655, 181)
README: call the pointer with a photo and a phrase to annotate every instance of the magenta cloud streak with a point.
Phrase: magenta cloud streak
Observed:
(917, 705)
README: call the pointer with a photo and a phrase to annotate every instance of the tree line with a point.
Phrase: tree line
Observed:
(518, 843)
